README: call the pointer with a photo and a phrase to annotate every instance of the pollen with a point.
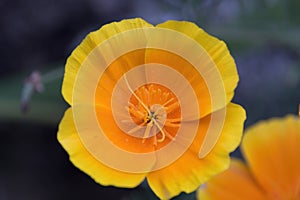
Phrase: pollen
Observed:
(156, 109)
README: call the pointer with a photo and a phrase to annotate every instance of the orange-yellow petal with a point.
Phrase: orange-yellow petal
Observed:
(188, 172)
(91, 70)
(189, 72)
(218, 52)
(236, 183)
(81, 158)
(79, 55)
(272, 151)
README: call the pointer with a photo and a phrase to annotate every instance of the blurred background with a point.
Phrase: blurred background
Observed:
(262, 35)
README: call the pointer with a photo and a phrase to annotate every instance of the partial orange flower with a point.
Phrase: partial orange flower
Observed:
(151, 102)
(272, 169)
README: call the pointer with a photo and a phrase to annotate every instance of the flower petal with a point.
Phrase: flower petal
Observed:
(236, 183)
(188, 172)
(216, 49)
(188, 71)
(79, 55)
(272, 151)
(81, 158)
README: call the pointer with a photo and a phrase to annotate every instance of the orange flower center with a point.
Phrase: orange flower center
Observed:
(155, 107)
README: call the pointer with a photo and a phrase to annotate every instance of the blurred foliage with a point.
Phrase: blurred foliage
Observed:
(243, 22)
(46, 107)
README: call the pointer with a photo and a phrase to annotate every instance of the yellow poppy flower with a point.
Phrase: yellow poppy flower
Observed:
(271, 149)
(151, 102)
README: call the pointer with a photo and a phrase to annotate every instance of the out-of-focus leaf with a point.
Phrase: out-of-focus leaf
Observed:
(46, 107)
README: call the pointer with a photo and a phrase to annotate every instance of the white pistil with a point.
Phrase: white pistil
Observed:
(154, 117)
(172, 107)
(165, 96)
(169, 136)
(135, 129)
(134, 112)
(159, 109)
(147, 131)
(168, 102)
(161, 130)
(139, 100)
(155, 140)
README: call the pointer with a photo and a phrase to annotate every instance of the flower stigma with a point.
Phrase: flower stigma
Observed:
(155, 108)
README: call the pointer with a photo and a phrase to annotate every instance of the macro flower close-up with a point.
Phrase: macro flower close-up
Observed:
(271, 167)
(151, 102)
